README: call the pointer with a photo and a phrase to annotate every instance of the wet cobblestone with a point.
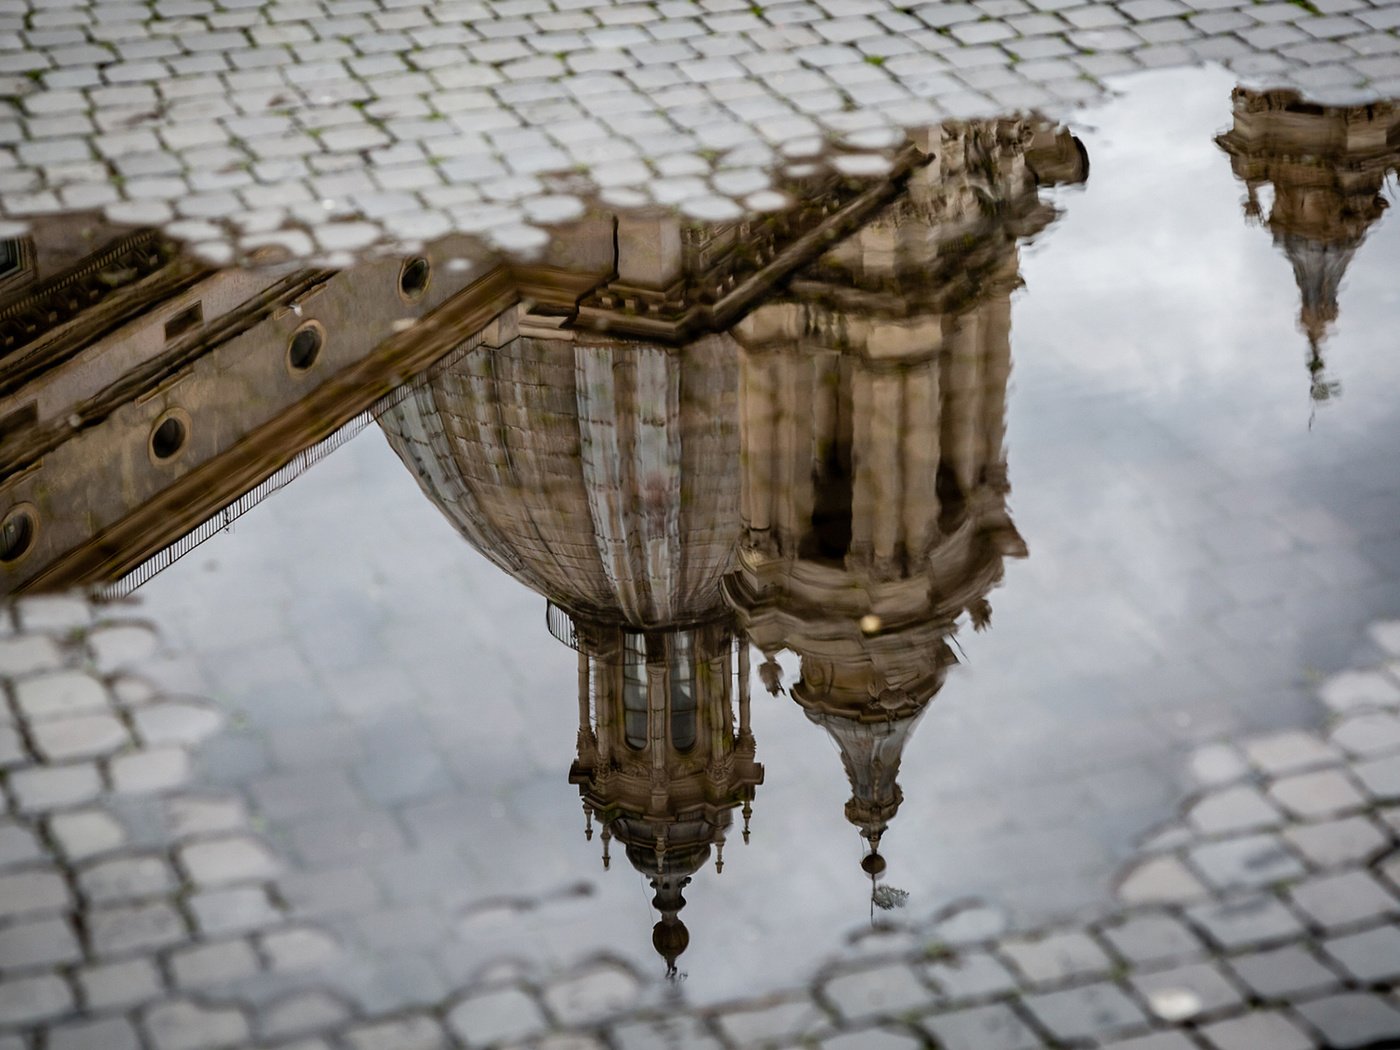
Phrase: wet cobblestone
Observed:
(1306, 960)
(326, 128)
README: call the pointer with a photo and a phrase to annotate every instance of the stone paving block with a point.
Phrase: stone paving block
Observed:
(1242, 807)
(18, 845)
(26, 654)
(149, 771)
(216, 862)
(1159, 880)
(221, 962)
(1352, 690)
(232, 910)
(496, 1015)
(82, 736)
(886, 991)
(992, 1027)
(1352, 1019)
(34, 891)
(117, 646)
(968, 923)
(175, 722)
(54, 787)
(1311, 796)
(1213, 764)
(86, 833)
(684, 1033)
(1371, 956)
(1380, 777)
(789, 1018)
(123, 879)
(1337, 843)
(38, 942)
(405, 1033)
(26, 1000)
(298, 948)
(1289, 751)
(12, 750)
(184, 1025)
(120, 984)
(1151, 938)
(1249, 861)
(1262, 1028)
(1153, 1041)
(1368, 734)
(883, 1038)
(63, 694)
(110, 1033)
(1343, 899)
(1240, 922)
(1092, 1011)
(591, 995)
(1185, 992)
(190, 816)
(54, 612)
(970, 975)
(1283, 973)
(1057, 956)
(129, 928)
(303, 1013)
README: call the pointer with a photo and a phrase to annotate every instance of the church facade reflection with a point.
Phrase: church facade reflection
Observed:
(1325, 167)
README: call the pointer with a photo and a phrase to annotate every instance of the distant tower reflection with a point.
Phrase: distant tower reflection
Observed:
(872, 407)
(1325, 166)
(602, 473)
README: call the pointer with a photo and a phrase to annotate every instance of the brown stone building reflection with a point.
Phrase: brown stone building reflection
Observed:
(1325, 167)
(601, 472)
(873, 402)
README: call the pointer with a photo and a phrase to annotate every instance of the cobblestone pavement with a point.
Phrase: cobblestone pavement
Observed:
(322, 128)
(134, 913)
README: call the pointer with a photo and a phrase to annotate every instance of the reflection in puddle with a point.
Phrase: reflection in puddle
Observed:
(783, 434)
(1325, 168)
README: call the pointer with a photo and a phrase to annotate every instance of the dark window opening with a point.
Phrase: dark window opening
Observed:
(186, 320)
(683, 703)
(305, 347)
(168, 438)
(634, 691)
(413, 279)
(16, 535)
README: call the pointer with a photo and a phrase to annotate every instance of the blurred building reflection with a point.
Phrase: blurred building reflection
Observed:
(1324, 167)
(601, 472)
(873, 404)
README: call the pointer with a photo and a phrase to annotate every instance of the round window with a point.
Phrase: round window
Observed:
(16, 534)
(305, 346)
(415, 277)
(168, 437)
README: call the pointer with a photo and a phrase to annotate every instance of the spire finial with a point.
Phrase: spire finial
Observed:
(748, 812)
(587, 821)
(607, 841)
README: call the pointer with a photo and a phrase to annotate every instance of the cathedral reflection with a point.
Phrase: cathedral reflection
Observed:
(825, 476)
(1325, 167)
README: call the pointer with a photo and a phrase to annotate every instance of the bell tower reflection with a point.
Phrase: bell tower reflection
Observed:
(872, 407)
(1325, 167)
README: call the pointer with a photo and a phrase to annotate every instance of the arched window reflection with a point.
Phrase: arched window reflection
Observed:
(682, 693)
(634, 690)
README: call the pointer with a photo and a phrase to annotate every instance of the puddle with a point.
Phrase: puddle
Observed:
(599, 603)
